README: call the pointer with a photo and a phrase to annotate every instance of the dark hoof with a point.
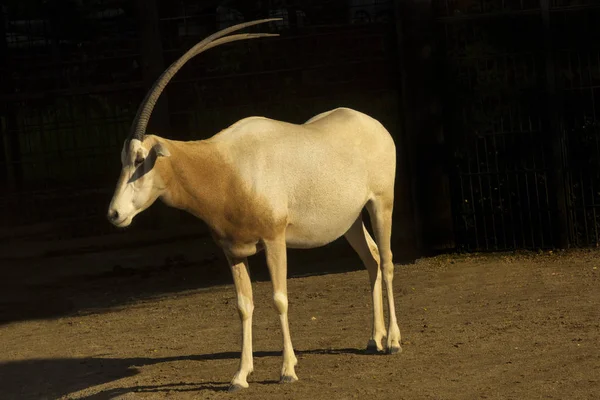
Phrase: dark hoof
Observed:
(287, 379)
(394, 350)
(235, 388)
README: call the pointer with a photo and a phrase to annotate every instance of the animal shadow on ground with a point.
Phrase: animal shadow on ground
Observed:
(122, 285)
(52, 378)
(122, 281)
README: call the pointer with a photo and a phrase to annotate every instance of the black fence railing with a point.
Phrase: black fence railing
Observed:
(521, 112)
(521, 81)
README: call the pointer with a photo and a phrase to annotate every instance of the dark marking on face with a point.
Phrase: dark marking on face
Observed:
(143, 165)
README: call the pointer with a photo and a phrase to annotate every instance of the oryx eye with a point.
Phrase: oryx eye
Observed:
(138, 160)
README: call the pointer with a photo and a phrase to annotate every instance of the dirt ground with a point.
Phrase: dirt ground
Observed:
(502, 326)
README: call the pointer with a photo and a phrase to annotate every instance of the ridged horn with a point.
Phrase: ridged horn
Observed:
(140, 122)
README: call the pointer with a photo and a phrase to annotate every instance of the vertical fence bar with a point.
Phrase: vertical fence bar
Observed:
(10, 138)
(422, 127)
(536, 179)
(509, 195)
(481, 199)
(556, 170)
(593, 203)
(489, 175)
(404, 147)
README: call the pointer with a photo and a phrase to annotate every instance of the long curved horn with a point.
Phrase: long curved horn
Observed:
(140, 122)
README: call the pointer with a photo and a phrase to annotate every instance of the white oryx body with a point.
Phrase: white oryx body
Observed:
(268, 184)
(317, 177)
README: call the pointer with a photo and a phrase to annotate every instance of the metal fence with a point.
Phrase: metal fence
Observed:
(520, 95)
(577, 52)
(520, 84)
(78, 70)
(72, 88)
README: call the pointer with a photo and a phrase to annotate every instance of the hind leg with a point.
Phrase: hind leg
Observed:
(380, 210)
(363, 244)
(276, 253)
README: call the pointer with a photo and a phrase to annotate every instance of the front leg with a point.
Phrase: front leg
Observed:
(245, 305)
(277, 264)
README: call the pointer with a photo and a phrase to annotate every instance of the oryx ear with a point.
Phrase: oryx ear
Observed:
(161, 150)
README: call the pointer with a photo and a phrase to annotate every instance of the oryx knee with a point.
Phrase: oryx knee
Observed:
(388, 271)
(245, 307)
(280, 301)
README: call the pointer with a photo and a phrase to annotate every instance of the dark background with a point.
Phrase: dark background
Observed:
(493, 108)
(492, 105)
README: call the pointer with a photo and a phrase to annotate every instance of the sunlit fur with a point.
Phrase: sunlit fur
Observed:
(267, 184)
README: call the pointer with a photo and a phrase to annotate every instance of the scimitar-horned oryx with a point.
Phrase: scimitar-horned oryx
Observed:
(263, 184)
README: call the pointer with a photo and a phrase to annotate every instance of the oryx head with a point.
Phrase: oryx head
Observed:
(139, 184)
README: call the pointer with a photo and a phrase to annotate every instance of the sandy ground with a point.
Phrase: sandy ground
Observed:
(503, 326)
